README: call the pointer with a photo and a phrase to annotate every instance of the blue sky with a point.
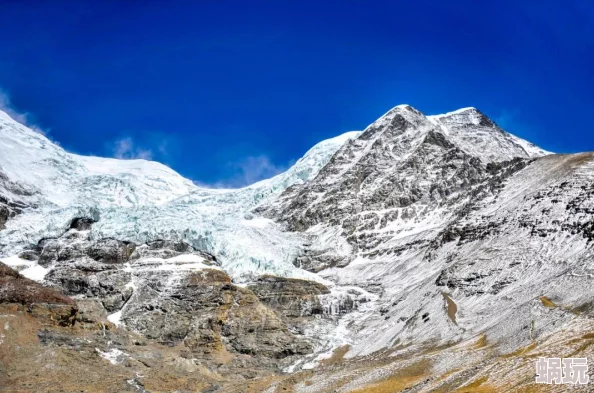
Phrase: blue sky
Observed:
(228, 92)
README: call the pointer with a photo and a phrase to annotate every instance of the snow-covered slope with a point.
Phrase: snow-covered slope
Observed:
(141, 200)
(458, 227)
(63, 179)
(477, 135)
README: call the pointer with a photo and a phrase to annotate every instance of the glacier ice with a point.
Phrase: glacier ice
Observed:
(139, 200)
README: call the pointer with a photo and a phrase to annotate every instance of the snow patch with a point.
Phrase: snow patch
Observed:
(115, 318)
(35, 273)
(28, 269)
(114, 355)
(258, 222)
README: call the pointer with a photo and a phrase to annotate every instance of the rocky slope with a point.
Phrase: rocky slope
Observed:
(381, 215)
(173, 294)
(412, 255)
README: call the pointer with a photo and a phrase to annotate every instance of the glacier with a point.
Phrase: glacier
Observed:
(140, 200)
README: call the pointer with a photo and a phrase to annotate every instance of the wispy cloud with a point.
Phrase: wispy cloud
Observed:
(126, 149)
(24, 118)
(248, 170)
(254, 168)
(505, 118)
(148, 146)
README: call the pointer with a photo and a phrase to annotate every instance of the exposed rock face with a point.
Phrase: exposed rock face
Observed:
(82, 223)
(41, 329)
(36, 299)
(174, 295)
(12, 199)
(209, 315)
(15, 288)
(4, 215)
(292, 297)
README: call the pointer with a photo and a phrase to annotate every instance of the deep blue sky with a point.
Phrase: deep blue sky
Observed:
(232, 91)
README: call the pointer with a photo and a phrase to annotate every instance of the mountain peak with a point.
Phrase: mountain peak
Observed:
(467, 128)
(468, 109)
(475, 133)
(403, 109)
(469, 115)
(402, 106)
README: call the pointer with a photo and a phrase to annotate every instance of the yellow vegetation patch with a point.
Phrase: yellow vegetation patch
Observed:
(401, 380)
(582, 348)
(520, 352)
(577, 160)
(547, 302)
(481, 342)
(337, 356)
(448, 374)
(477, 386)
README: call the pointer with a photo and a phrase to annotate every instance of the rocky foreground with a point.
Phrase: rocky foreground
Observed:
(50, 343)
(176, 300)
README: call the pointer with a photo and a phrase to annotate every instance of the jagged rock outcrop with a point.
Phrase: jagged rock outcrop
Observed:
(294, 298)
(174, 295)
(4, 215)
(210, 315)
(12, 198)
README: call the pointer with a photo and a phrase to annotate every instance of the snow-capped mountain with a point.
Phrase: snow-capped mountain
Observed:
(139, 200)
(61, 179)
(443, 213)
(420, 231)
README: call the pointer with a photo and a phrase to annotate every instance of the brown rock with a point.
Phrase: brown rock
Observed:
(15, 288)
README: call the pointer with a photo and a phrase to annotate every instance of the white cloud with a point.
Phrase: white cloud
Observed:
(505, 119)
(251, 169)
(149, 145)
(126, 149)
(255, 168)
(24, 118)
